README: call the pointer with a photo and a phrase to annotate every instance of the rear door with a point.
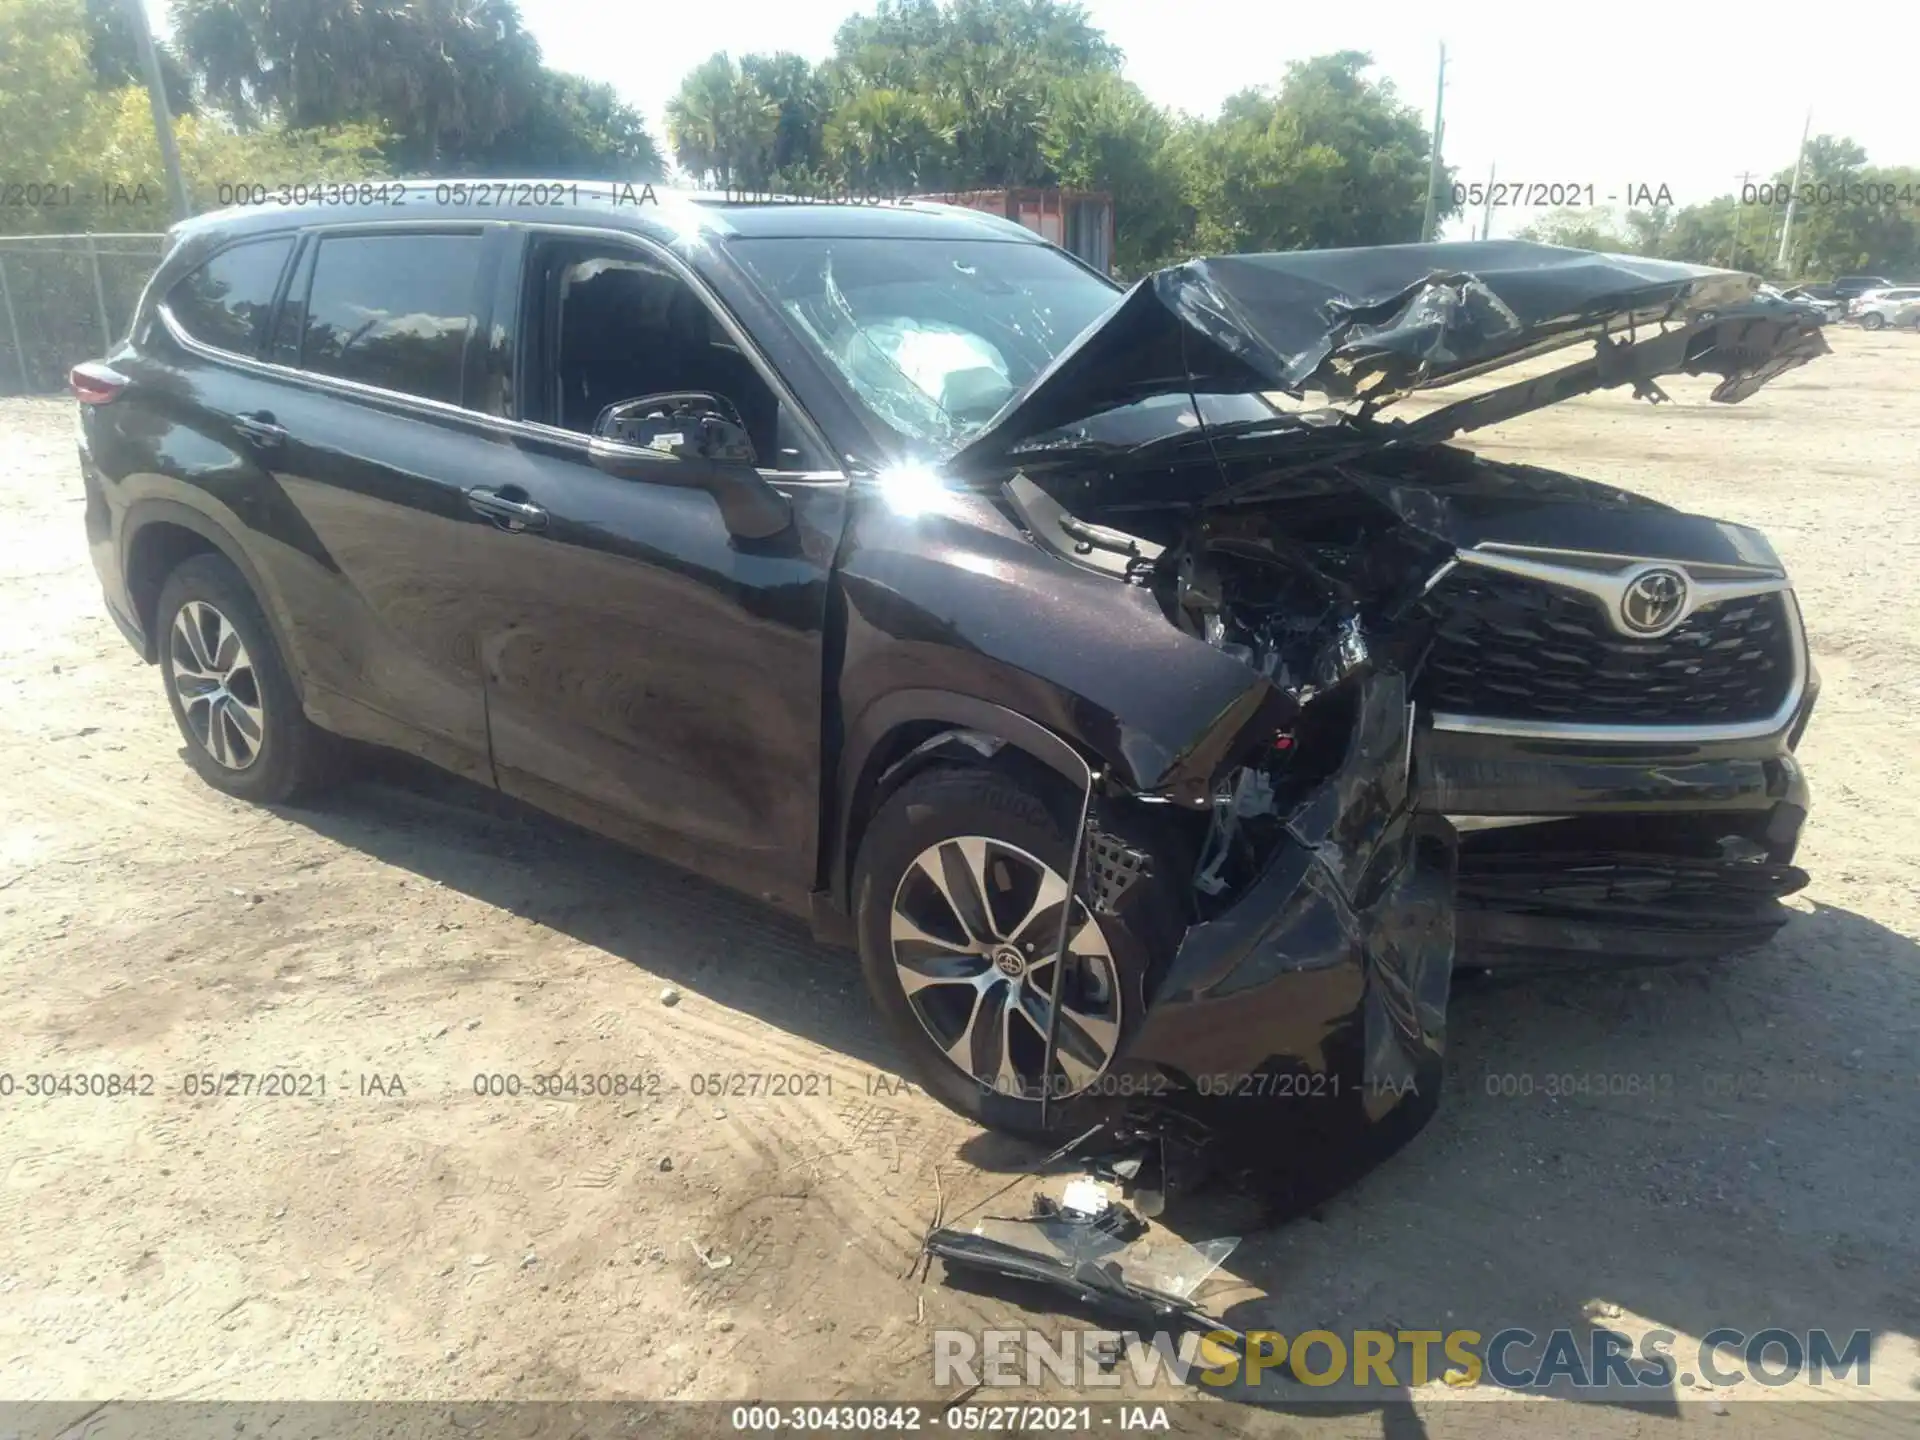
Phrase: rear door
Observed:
(375, 351)
(647, 673)
(305, 393)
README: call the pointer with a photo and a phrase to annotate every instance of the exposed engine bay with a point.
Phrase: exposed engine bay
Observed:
(1309, 592)
(1308, 543)
(1312, 576)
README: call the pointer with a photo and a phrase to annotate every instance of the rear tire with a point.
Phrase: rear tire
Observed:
(957, 897)
(229, 690)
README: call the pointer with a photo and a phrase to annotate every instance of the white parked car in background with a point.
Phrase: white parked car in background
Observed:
(1896, 305)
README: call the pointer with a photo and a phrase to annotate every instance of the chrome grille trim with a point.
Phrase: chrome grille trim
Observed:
(1606, 578)
(1770, 725)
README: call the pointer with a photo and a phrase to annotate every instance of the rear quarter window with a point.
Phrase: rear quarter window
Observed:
(394, 311)
(225, 303)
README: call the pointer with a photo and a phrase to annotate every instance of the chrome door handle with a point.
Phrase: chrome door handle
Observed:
(260, 426)
(507, 512)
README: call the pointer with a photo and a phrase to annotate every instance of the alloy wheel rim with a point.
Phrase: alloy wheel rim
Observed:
(217, 686)
(975, 923)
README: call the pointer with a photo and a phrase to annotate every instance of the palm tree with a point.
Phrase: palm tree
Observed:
(891, 142)
(467, 72)
(303, 63)
(722, 126)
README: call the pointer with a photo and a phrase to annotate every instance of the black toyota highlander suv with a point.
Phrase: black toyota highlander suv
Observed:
(1139, 699)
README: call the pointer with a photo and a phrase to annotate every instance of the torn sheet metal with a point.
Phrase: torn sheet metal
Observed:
(1319, 997)
(1382, 321)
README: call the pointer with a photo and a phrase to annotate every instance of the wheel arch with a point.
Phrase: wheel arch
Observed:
(903, 733)
(157, 536)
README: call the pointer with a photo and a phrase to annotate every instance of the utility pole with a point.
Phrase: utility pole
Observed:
(1793, 195)
(1486, 210)
(1740, 215)
(1433, 160)
(162, 118)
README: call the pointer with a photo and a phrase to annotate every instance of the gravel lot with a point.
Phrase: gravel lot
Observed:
(403, 1236)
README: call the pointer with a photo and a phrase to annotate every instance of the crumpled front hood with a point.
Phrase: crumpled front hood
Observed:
(1380, 322)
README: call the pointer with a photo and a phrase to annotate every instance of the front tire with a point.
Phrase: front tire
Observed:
(1872, 320)
(957, 903)
(229, 690)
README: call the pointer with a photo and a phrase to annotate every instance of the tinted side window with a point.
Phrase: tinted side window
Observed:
(226, 301)
(393, 311)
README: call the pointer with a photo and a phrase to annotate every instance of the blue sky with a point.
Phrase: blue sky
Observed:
(1627, 94)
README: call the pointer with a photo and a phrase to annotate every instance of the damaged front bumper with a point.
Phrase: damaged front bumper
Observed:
(1586, 853)
(1317, 1001)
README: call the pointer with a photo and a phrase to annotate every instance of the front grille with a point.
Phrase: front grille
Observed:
(1506, 647)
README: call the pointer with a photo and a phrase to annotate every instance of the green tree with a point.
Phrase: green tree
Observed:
(1583, 229)
(456, 85)
(214, 151)
(1852, 217)
(453, 75)
(1720, 232)
(47, 94)
(300, 63)
(722, 126)
(930, 39)
(1104, 134)
(571, 129)
(891, 142)
(1332, 158)
(991, 64)
(1650, 231)
(113, 49)
(62, 128)
(799, 94)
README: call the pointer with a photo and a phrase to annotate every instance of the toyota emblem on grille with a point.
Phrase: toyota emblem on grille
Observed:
(1654, 602)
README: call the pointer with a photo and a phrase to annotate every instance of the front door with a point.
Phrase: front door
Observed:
(647, 673)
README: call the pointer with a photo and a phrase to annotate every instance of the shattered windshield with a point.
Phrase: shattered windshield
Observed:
(934, 336)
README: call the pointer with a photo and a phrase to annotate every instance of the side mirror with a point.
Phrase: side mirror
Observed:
(694, 440)
(685, 425)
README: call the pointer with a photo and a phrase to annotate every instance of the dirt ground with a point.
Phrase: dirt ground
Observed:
(403, 1236)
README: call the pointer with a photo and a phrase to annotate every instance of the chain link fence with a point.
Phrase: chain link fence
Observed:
(64, 299)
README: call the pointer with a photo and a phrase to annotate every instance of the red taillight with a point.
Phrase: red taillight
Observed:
(93, 383)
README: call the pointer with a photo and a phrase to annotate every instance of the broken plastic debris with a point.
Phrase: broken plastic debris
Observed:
(1084, 1197)
(1170, 1265)
(1160, 1261)
(1146, 1282)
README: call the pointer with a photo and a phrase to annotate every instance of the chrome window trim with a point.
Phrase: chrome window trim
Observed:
(313, 379)
(1761, 729)
(500, 424)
